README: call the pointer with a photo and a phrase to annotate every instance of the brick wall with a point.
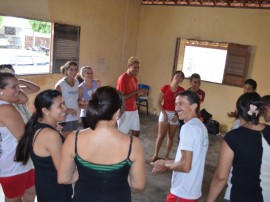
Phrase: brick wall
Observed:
(39, 41)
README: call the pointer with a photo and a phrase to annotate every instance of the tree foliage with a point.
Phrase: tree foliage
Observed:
(1, 20)
(41, 27)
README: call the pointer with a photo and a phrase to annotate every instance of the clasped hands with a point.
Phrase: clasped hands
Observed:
(159, 166)
(83, 104)
(142, 92)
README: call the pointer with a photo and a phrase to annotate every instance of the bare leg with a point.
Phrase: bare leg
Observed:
(162, 130)
(171, 133)
(29, 195)
(135, 133)
(13, 199)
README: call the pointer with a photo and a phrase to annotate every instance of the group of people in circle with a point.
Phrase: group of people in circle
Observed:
(42, 154)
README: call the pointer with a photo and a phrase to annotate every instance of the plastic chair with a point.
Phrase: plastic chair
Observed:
(143, 100)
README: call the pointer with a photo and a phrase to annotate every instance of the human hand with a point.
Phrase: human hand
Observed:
(59, 127)
(158, 166)
(71, 111)
(142, 92)
(83, 103)
(232, 114)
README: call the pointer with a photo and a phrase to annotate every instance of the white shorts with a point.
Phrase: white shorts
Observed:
(170, 118)
(129, 121)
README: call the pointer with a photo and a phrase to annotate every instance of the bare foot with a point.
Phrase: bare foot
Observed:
(167, 158)
(153, 158)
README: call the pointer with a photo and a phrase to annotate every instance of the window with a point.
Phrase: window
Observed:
(10, 30)
(67, 45)
(217, 62)
(37, 47)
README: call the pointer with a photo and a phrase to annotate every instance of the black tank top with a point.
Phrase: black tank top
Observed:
(47, 188)
(102, 183)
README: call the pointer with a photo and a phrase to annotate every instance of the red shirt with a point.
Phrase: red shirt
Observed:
(128, 84)
(169, 97)
(201, 94)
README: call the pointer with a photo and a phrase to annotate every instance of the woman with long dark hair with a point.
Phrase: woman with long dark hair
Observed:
(109, 162)
(42, 142)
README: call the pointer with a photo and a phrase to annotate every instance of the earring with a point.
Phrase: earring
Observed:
(1, 93)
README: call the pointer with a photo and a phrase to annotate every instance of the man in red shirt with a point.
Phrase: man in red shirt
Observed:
(195, 83)
(127, 83)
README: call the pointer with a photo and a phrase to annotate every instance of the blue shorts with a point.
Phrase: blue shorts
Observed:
(70, 126)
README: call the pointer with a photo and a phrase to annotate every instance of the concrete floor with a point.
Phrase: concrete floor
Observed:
(158, 185)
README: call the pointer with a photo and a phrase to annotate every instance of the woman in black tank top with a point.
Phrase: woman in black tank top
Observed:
(109, 162)
(42, 142)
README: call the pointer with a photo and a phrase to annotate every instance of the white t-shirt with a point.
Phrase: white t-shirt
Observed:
(70, 95)
(193, 137)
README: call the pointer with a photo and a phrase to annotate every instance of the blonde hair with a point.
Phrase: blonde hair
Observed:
(84, 68)
(133, 60)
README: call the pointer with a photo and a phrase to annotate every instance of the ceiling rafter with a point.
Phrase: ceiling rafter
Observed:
(257, 4)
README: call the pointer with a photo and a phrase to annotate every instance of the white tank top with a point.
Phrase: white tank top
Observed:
(8, 144)
(70, 95)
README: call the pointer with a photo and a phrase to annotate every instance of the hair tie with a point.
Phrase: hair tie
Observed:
(6, 70)
(253, 110)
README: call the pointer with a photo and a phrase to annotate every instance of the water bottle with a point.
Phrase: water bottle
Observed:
(154, 112)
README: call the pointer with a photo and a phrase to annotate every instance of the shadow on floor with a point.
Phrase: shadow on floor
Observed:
(158, 186)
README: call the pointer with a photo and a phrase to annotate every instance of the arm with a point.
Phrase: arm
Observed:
(28, 87)
(159, 105)
(80, 93)
(22, 98)
(139, 92)
(202, 96)
(12, 119)
(53, 145)
(81, 103)
(121, 86)
(67, 172)
(232, 114)
(159, 102)
(184, 165)
(98, 82)
(58, 87)
(222, 172)
(137, 173)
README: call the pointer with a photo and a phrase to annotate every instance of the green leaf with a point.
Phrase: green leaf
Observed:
(41, 27)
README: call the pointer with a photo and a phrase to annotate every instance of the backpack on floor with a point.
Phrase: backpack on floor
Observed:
(212, 126)
(204, 115)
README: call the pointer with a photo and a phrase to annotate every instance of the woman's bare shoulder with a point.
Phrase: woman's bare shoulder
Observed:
(8, 109)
